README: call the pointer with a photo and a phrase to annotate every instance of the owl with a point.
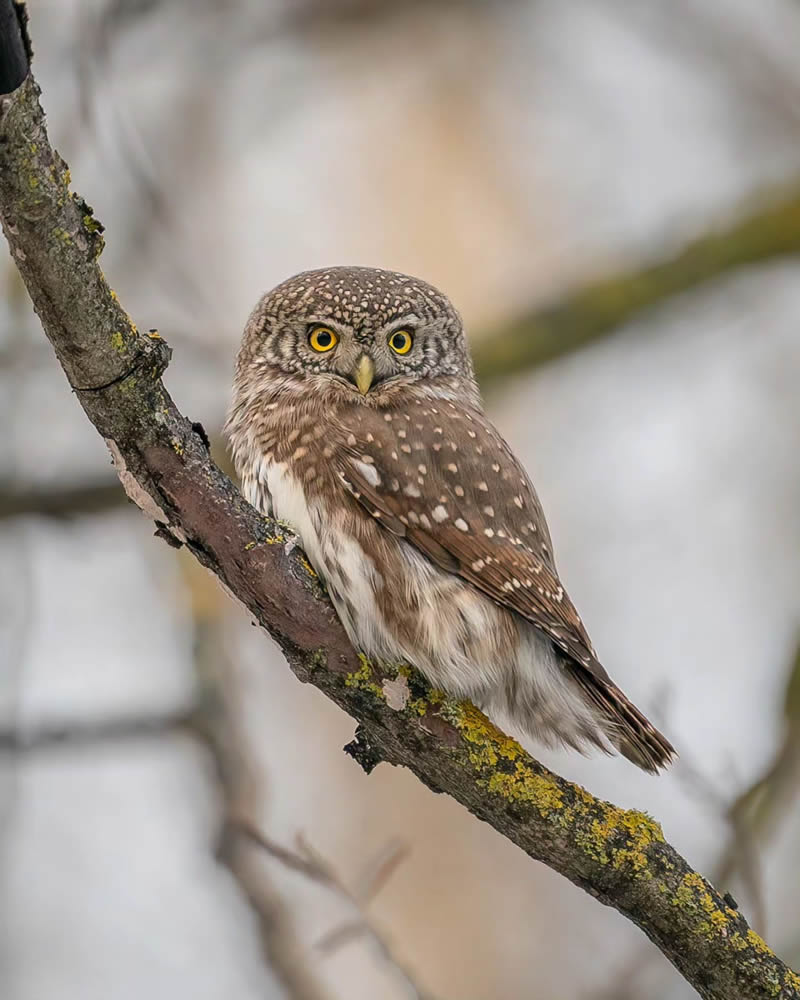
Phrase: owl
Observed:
(356, 418)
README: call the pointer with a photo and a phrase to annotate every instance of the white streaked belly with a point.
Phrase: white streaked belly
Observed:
(349, 573)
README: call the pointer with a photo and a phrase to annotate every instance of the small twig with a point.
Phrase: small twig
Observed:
(308, 861)
(79, 733)
(378, 873)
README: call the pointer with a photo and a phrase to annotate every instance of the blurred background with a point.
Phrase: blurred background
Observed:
(610, 193)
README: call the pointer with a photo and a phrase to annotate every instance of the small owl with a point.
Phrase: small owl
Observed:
(356, 418)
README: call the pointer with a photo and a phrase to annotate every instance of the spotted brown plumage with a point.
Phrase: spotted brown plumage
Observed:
(356, 418)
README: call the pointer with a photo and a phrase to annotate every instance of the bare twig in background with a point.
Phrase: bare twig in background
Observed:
(309, 862)
(62, 501)
(618, 856)
(79, 733)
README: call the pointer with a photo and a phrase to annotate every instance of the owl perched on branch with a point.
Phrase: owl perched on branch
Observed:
(356, 418)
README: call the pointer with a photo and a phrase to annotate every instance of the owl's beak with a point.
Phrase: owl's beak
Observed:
(364, 373)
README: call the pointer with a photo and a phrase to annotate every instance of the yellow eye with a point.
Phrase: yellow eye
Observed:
(401, 341)
(322, 339)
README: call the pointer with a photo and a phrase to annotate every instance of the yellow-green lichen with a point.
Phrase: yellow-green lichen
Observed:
(487, 743)
(307, 566)
(118, 341)
(317, 660)
(606, 833)
(524, 785)
(758, 943)
(488, 746)
(792, 981)
(127, 385)
(636, 830)
(694, 897)
(363, 679)
(421, 706)
(250, 545)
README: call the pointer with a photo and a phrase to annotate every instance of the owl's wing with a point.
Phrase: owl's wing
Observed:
(441, 476)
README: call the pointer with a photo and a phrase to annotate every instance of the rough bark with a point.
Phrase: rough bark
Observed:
(618, 856)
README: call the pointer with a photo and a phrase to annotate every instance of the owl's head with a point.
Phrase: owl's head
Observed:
(356, 333)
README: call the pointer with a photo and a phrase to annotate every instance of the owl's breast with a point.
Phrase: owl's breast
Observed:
(338, 547)
(291, 503)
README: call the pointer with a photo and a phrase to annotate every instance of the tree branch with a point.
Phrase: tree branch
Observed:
(82, 733)
(618, 856)
(764, 232)
(61, 501)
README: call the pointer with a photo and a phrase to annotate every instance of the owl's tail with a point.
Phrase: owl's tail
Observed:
(625, 726)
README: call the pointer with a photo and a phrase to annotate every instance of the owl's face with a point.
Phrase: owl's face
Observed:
(357, 332)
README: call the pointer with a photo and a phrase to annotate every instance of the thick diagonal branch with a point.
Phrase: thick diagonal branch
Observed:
(618, 856)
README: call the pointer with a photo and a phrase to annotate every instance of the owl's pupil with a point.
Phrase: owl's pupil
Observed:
(323, 338)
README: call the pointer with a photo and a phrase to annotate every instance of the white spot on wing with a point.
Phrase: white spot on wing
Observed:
(368, 472)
